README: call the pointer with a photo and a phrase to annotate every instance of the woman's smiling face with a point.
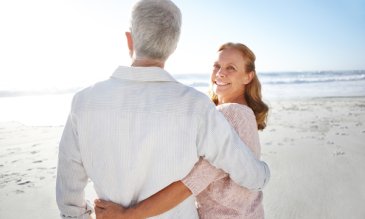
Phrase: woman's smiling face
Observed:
(229, 76)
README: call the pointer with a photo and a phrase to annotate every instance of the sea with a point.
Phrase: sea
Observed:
(50, 108)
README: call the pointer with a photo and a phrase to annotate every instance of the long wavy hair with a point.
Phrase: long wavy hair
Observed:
(252, 91)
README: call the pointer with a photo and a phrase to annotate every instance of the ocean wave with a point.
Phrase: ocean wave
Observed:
(202, 81)
(311, 77)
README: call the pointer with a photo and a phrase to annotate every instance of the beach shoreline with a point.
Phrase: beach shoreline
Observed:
(314, 147)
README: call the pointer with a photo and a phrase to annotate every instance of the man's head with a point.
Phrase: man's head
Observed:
(155, 29)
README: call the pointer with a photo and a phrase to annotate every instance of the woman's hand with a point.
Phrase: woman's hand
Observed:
(111, 210)
(162, 201)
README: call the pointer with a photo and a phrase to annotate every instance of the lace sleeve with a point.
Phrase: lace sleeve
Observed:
(202, 174)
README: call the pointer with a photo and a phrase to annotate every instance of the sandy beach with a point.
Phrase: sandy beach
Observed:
(315, 149)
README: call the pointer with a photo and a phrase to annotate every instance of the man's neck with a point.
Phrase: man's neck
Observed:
(148, 63)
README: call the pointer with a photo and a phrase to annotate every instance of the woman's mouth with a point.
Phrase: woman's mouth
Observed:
(221, 83)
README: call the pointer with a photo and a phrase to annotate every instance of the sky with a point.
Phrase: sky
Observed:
(58, 44)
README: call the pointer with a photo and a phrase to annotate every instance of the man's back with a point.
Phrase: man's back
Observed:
(137, 135)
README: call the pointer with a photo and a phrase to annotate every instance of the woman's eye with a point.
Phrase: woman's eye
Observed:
(230, 68)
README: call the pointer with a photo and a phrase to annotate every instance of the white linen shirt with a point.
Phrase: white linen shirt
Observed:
(139, 131)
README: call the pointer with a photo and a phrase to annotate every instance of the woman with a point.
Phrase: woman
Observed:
(236, 91)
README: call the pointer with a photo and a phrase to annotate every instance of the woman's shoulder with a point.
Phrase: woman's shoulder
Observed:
(235, 109)
(238, 115)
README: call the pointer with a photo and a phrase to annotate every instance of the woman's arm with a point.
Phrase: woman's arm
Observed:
(196, 181)
(156, 204)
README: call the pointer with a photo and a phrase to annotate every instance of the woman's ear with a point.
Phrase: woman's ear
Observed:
(248, 77)
(130, 42)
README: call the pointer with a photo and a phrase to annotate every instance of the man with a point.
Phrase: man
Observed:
(141, 130)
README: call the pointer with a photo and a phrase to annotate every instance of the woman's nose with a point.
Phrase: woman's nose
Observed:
(220, 73)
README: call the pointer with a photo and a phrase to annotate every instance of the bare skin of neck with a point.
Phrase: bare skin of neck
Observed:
(239, 99)
(148, 63)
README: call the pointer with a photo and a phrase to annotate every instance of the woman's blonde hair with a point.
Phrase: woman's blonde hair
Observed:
(252, 90)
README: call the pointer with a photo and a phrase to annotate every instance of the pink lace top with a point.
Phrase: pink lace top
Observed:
(216, 194)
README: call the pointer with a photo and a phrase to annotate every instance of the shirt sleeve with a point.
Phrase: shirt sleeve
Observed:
(244, 123)
(71, 176)
(219, 144)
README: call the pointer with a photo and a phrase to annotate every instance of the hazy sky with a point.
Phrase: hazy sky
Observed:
(65, 43)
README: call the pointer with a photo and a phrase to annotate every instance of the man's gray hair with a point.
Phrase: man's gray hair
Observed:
(155, 28)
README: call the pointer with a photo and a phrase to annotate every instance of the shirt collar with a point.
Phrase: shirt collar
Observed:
(142, 74)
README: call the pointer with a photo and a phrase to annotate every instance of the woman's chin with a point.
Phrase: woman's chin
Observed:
(221, 90)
